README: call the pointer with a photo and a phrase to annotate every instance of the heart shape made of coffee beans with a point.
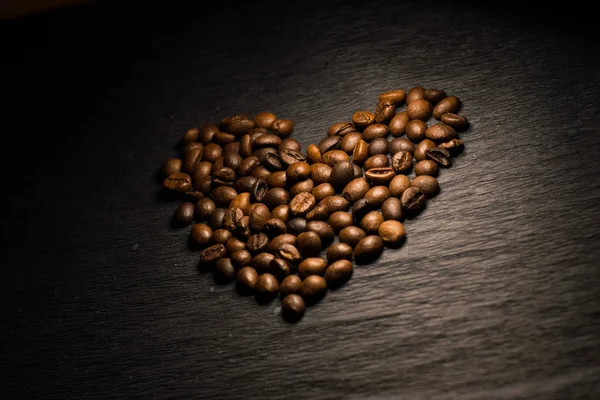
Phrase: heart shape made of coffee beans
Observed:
(264, 211)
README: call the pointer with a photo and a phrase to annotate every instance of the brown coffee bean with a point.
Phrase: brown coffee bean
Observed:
(224, 271)
(279, 267)
(413, 200)
(329, 143)
(402, 162)
(419, 109)
(212, 254)
(398, 124)
(290, 156)
(242, 229)
(450, 104)
(221, 236)
(281, 212)
(312, 266)
(277, 179)
(223, 195)
(301, 204)
(211, 152)
(428, 185)
(288, 253)
(258, 217)
(440, 133)
(396, 97)
(178, 182)
(320, 173)
(264, 119)
(377, 161)
(358, 171)
(190, 136)
(257, 243)
(339, 251)
(272, 162)
(360, 208)
(322, 191)
(334, 157)
(314, 154)
(292, 308)
(375, 131)
(341, 129)
(368, 249)
(351, 235)
(193, 196)
(191, 158)
(206, 133)
(309, 244)
(458, 122)
(184, 214)
(415, 93)
(380, 176)
(293, 145)
(341, 174)
(427, 167)
(392, 233)
(276, 197)
(261, 172)
(297, 172)
(296, 226)
(280, 240)
(339, 220)
(248, 165)
(192, 146)
(232, 218)
(335, 203)
(215, 220)
(275, 227)
(415, 130)
(235, 244)
(223, 138)
(362, 119)
(246, 279)
(323, 229)
(204, 185)
(422, 147)
(377, 195)
(378, 146)
(262, 262)
(232, 160)
(453, 146)
(313, 288)
(305, 186)
(391, 209)
(171, 166)
(440, 156)
(267, 287)
(319, 213)
(350, 141)
(239, 127)
(384, 112)
(246, 146)
(338, 273)
(203, 168)
(241, 201)
(434, 95)
(360, 153)
(283, 127)
(201, 234)
(262, 153)
(231, 148)
(356, 189)
(266, 140)
(290, 285)
(371, 221)
(241, 258)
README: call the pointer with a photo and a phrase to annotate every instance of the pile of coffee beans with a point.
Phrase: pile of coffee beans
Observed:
(280, 221)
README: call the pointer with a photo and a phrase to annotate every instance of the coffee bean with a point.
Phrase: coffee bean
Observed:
(297, 171)
(274, 227)
(223, 138)
(309, 244)
(339, 220)
(351, 235)
(281, 212)
(262, 262)
(428, 185)
(232, 160)
(450, 104)
(378, 146)
(440, 133)
(224, 271)
(215, 220)
(415, 130)
(341, 129)
(384, 112)
(427, 167)
(312, 266)
(356, 189)
(171, 166)
(398, 124)
(261, 172)
(201, 234)
(377, 161)
(246, 279)
(290, 285)
(360, 208)
(257, 242)
(264, 119)
(191, 158)
(358, 171)
(192, 146)
(453, 146)
(246, 146)
(360, 153)
(434, 95)
(248, 165)
(292, 307)
(283, 127)
(305, 186)
(319, 213)
(190, 136)
(350, 141)
(335, 203)
(391, 209)
(338, 273)
(280, 240)
(258, 190)
(415, 93)
(419, 109)
(232, 217)
(322, 191)
(392, 233)
(313, 154)
(323, 229)
(235, 244)
(339, 251)
(334, 157)
(206, 133)
(179, 182)
(320, 173)
(402, 162)
(267, 140)
(272, 162)
(193, 196)
(458, 122)
(296, 226)
(362, 119)
(422, 147)
(213, 253)
(440, 156)
(313, 289)
(262, 154)
(277, 179)
(371, 221)
(413, 200)
(396, 97)
(293, 145)
(328, 144)
(241, 258)
(231, 148)
(289, 253)
(341, 174)
(211, 152)
(290, 156)
(377, 195)
(221, 236)
(202, 170)
(184, 214)
(242, 229)
(368, 249)
(241, 201)
(239, 127)
(380, 176)
(375, 131)
(276, 197)
(279, 267)
(267, 287)
(301, 204)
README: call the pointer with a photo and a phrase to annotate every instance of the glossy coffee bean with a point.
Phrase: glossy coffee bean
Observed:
(232, 218)
(360, 153)
(290, 156)
(190, 136)
(396, 97)
(371, 221)
(358, 171)
(223, 138)
(305, 186)
(296, 226)
(349, 142)
(415, 93)
(313, 288)
(184, 214)
(221, 236)
(360, 208)
(319, 213)
(384, 111)
(323, 190)
(224, 271)
(402, 162)
(434, 95)
(215, 220)
(257, 243)
(392, 233)
(246, 279)
(391, 209)
(259, 214)
(283, 127)
(267, 287)
(334, 157)
(419, 109)
(274, 227)
(279, 267)
(289, 253)
(415, 130)
(171, 166)
(377, 195)
(362, 119)
(290, 285)
(312, 266)
(454, 146)
(191, 159)
(201, 234)
(297, 172)
(223, 195)
(398, 124)
(328, 144)
(356, 189)
(277, 179)
(239, 126)
(211, 152)
(292, 307)
(241, 201)
(335, 203)
(313, 154)
(262, 262)
(281, 212)
(267, 140)
(368, 249)
(427, 167)
(341, 174)
(380, 176)
(450, 104)
(231, 148)
(320, 173)
(422, 147)
(206, 133)
(280, 240)
(413, 200)
(241, 258)
(440, 133)
(232, 160)
(341, 129)
(338, 273)
(378, 146)
(213, 253)
(375, 131)
(248, 165)
(202, 169)
(440, 156)
(323, 229)
(309, 244)
(377, 161)
(275, 197)
(234, 244)
(339, 251)
(291, 144)
(178, 182)
(264, 119)
(302, 204)
(261, 172)
(458, 122)
(428, 185)
(242, 229)
(339, 220)
(351, 235)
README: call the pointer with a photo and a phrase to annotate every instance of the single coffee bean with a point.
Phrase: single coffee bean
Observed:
(211, 152)
(415, 130)
(323, 229)
(334, 157)
(184, 214)
(272, 162)
(232, 217)
(329, 143)
(191, 158)
(246, 146)
(377, 161)
(202, 170)
(257, 243)
(313, 154)
(371, 221)
(267, 287)
(427, 167)
(215, 220)
(392, 233)
(280, 240)
(221, 236)
(360, 153)
(290, 285)
(193, 196)
(224, 271)
(350, 141)
(262, 153)
(274, 227)
(360, 208)
(351, 235)
(293, 145)
(296, 226)
(289, 253)
(226, 121)
(396, 97)
(391, 209)
(434, 95)
(178, 182)
(240, 127)
(378, 146)
(213, 253)
(356, 189)
(258, 190)
(398, 124)
(319, 213)
(335, 203)
(232, 160)
(297, 172)
(440, 133)
(242, 229)
(246, 279)
(422, 147)
(401, 144)
(358, 171)
(341, 174)
(454, 146)
(292, 307)
(283, 127)
(305, 186)
(206, 133)
(413, 200)
(201, 234)
(339, 251)
(428, 185)
(223, 138)
(440, 156)
(312, 266)
(192, 146)
(384, 112)
(171, 166)
(261, 172)
(458, 122)
(277, 179)
(377, 195)
(415, 93)
(279, 267)
(241, 201)
(281, 212)
(276, 197)
(320, 173)
(301, 204)
(267, 140)
(450, 104)
(419, 109)
(231, 148)
(338, 273)
(368, 249)
(380, 176)
(264, 119)
(234, 244)
(362, 119)
(248, 165)
(402, 162)
(309, 244)
(339, 220)
(290, 156)
(322, 191)
(217, 164)
(341, 129)
(375, 131)
(190, 136)
(262, 262)
(313, 288)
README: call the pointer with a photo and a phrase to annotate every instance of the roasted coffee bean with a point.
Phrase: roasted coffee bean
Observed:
(398, 124)
(428, 185)
(358, 171)
(232, 160)
(427, 167)
(283, 127)
(264, 119)
(201, 234)
(350, 141)
(391, 209)
(262, 153)
(392, 233)
(276, 197)
(191, 159)
(305, 186)
(215, 220)
(288, 253)
(413, 200)
(178, 182)
(281, 212)
(371, 221)
(341, 129)
(246, 146)
(213, 253)
(419, 109)
(267, 140)
(323, 229)
(440, 156)
(192, 146)
(248, 165)
(202, 169)
(450, 104)
(256, 132)
(217, 165)
(292, 307)
(360, 153)
(232, 218)
(226, 121)
(454, 146)
(351, 235)
(171, 166)
(221, 236)
(339, 251)
(434, 95)
(313, 154)
(319, 213)
(296, 226)
(223, 138)
(329, 143)
(290, 284)
(415, 93)
(272, 162)
(301, 204)
(334, 157)
(223, 195)
(280, 268)
(231, 148)
(377, 161)
(280, 240)
(193, 196)
(240, 127)
(377, 195)
(297, 172)
(402, 162)
(290, 156)
(211, 152)
(356, 189)
(277, 179)
(224, 271)
(262, 262)
(368, 249)
(440, 133)
(422, 147)
(322, 191)
(396, 97)
(312, 266)
(320, 173)
(458, 122)
(257, 242)
(261, 172)
(360, 208)
(258, 190)
(184, 214)
(309, 244)
(375, 131)
(335, 203)
(362, 119)
(338, 273)
(380, 176)
(341, 174)
(339, 220)
(384, 112)
(242, 229)
(246, 279)
(293, 145)
(274, 227)
(224, 175)
(190, 136)
(313, 288)
(267, 287)
(206, 133)
(378, 146)
(415, 130)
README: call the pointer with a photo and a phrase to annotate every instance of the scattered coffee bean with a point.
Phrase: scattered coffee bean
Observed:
(241, 258)
(305, 186)
(341, 129)
(313, 288)
(290, 156)
(283, 127)
(351, 235)
(297, 172)
(454, 146)
(427, 167)
(339, 220)
(378, 146)
(380, 176)
(179, 182)
(275, 227)
(434, 95)
(392, 233)
(415, 93)
(309, 244)
(335, 203)
(246, 279)
(338, 273)
(428, 185)
(323, 229)
(440, 156)
(264, 119)
(259, 215)
(384, 111)
(422, 147)
(301, 204)
(391, 209)
(184, 214)
(201, 234)
(224, 271)
(292, 307)
(206, 133)
(320, 173)
(328, 144)
(419, 109)
(339, 251)
(221, 236)
(402, 162)
(341, 174)
(349, 142)
(289, 253)
(312, 266)
(413, 200)
(440, 133)
(323, 190)
(171, 166)
(290, 285)
(279, 267)
(257, 243)
(313, 153)
(362, 119)
(267, 287)
(450, 104)
(356, 189)
(401, 144)
(296, 226)
(334, 157)
(393, 96)
(275, 197)
(377, 161)
(458, 122)
(360, 153)
(360, 208)
(241, 201)
(213, 253)
(375, 131)
(234, 244)
(377, 195)
(215, 220)
(291, 144)
(368, 249)
(279, 240)
(398, 124)
(371, 221)
(281, 212)
(262, 262)
(415, 130)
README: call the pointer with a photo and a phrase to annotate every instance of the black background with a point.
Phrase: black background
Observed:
(494, 296)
